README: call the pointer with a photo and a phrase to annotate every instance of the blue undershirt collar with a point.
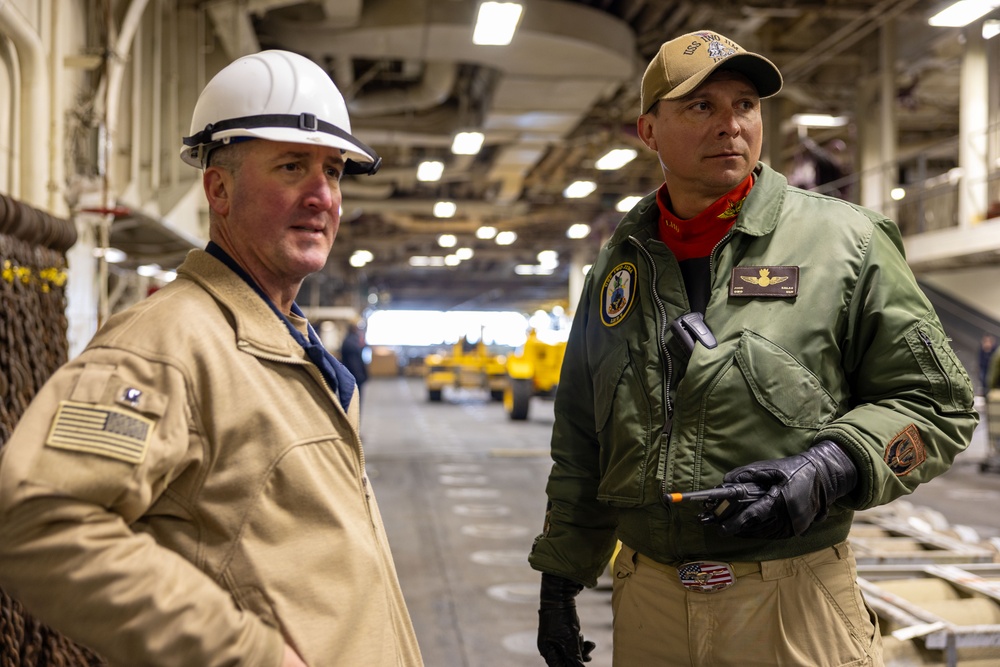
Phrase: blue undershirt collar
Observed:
(335, 373)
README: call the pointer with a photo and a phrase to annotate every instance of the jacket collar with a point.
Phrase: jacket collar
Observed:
(758, 217)
(255, 322)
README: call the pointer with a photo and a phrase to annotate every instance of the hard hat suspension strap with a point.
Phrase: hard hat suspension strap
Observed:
(304, 121)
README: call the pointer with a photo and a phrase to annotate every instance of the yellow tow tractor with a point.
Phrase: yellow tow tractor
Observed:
(532, 371)
(469, 366)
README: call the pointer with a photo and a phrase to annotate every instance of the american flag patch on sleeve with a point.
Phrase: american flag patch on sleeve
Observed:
(102, 430)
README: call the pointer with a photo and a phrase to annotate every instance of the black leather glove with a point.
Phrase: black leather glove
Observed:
(559, 638)
(802, 488)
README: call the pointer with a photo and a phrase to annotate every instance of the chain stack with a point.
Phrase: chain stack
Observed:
(33, 345)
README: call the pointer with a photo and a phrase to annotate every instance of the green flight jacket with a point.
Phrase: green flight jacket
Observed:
(823, 334)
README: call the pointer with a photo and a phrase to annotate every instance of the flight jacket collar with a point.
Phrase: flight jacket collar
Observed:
(758, 217)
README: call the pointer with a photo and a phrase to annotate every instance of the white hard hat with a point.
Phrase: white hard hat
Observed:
(275, 95)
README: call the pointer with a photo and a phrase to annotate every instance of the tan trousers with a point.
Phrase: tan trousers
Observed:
(803, 612)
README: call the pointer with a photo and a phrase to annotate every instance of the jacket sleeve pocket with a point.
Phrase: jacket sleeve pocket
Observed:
(949, 383)
(783, 386)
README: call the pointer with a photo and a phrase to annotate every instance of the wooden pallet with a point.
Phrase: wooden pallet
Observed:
(953, 611)
(887, 536)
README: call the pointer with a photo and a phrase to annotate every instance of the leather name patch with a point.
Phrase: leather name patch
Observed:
(768, 281)
(906, 451)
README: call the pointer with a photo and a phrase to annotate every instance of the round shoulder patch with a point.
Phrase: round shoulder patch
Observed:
(617, 294)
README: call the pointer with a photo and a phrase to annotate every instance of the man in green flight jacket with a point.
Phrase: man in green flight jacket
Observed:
(735, 329)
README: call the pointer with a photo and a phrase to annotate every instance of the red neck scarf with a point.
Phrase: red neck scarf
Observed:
(697, 236)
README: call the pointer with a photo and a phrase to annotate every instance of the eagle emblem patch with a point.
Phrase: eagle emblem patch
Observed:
(617, 294)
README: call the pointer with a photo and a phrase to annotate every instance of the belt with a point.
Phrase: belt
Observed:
(704, 576)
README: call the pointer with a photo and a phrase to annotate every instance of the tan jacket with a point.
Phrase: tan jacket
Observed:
(188, 490)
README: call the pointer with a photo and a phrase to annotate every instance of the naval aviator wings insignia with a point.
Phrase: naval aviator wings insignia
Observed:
(764, 281)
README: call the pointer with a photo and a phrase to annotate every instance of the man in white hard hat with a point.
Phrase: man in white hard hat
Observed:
(191, 489)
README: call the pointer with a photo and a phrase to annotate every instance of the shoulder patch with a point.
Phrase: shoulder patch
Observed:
(906, 451)
(102, 430)
(618, 294)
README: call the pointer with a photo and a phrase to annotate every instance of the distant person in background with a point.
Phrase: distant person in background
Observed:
(989, 364)
(352, 355)
(987, 346)
(816, 167)
(993, 210)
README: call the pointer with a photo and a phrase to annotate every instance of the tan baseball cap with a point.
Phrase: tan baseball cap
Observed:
(682, 64)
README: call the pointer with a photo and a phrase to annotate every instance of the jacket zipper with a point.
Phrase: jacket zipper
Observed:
(664, 353)
(926, 340)
(711, 257)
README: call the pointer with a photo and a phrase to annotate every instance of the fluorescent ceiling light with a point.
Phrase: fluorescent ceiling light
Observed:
(444, 209)
(467, 143)
(423, 260)
(578, 189)
(464, 253)
(532, 270)
(897, 193)
(430, 171)
(506, 238)
(578, 230)
(548, 259)
(360, 257)
(496, 23)
(616, 158)
(486, 232)
(627, 203)
(991, 28)
(110, 255)
(447, 240)
(962, 13)
(818, 120)
(148, 270)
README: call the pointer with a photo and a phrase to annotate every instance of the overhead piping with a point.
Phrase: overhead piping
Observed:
(844, 38)
(34, 138)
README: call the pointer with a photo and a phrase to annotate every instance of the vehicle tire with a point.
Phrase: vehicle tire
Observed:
(434, 395)
(520, 394)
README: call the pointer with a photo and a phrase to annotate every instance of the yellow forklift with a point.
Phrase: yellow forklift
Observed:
(469, 366)
(532, 371)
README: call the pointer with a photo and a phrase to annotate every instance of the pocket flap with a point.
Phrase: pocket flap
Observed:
(786, 388)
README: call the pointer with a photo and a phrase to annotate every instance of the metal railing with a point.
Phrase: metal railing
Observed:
(931, 180)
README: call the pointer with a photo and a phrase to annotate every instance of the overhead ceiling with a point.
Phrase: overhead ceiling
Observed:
(563, 93)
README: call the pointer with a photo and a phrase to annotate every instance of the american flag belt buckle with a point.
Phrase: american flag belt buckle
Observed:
(706, 576)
